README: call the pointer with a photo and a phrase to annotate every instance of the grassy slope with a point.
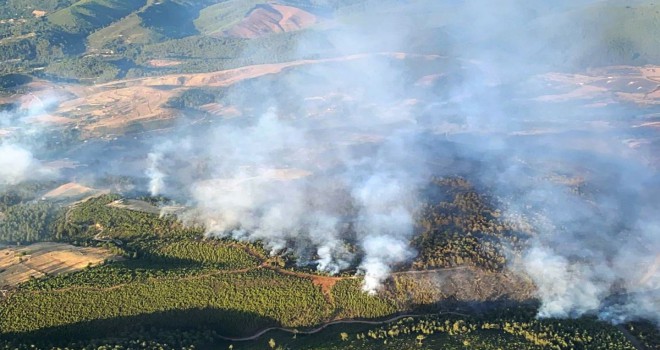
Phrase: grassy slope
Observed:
(149, 24)
(22, 8)
(216, 18)
(88, 15)
(603, 33)
(630, 33)
(129, 30)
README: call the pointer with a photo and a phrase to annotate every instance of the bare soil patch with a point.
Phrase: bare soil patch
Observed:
(19, 264)
(135, 205)
(140, 104)
(51, 119)
(164, 63)
(639, 85)
(70, 190)
(105, 110)
(267, 19)
(221, 110)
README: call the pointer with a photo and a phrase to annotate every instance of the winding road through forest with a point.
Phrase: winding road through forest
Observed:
(332, 323)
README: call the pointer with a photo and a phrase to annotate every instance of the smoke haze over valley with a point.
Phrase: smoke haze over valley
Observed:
(376, 141)
(339, 152)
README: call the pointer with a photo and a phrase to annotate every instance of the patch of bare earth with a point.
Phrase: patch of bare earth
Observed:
(51, 119)
(106, 110)
(70, 190)
(39, 13)
(20, 264)
(141, 104)
(326, 283)
(265, 19)
(232, 76)
(639, 85)
(163, 63)
(221, 110)
(135, 205)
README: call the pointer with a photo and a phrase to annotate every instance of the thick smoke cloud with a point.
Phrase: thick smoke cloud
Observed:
(320, 181)
(20, 129)
(16, 164)
(335, 168)
(595, 249)
(275, 181)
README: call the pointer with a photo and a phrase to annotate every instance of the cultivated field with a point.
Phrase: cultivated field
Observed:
(70, 190)
(19, 264)
(639, 85)
(141, 104)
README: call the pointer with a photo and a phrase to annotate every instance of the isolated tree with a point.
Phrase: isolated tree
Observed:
(271, 343)
(419, 339)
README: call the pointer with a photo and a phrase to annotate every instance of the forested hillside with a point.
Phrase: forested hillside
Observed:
(174, 289)
(109, 39)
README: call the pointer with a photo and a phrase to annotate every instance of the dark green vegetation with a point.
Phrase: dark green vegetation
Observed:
(501, 330)
(25, 220)
(109, 39)
(646, 333)
(28, 223)
(264, 293)
(86, 16)
(170, 278)
(504, 328)
(174, 289)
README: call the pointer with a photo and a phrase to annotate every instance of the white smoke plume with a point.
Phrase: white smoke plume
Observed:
(315, 186)
(19, 130)
(265, 190)
(595, 249)
(17, 164)
(320, 181)
(385, 227)
(563, 286)
(156, 176)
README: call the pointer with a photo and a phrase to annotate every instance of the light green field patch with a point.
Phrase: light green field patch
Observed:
(88, 15)
(216, 18)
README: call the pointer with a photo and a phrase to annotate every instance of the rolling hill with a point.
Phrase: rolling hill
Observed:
(86, 16)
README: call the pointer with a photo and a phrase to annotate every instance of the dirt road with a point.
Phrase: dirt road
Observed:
(326, 325)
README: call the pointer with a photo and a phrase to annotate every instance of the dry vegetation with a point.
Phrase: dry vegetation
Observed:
(639, 85)
(141, 104)
(20, 264)
(267, 19)
(70, 190)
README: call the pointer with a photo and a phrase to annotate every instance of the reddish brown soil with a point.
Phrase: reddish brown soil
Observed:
(267, 19)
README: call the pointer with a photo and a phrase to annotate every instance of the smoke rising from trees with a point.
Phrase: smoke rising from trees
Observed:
(18, 133)
(312, 183)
